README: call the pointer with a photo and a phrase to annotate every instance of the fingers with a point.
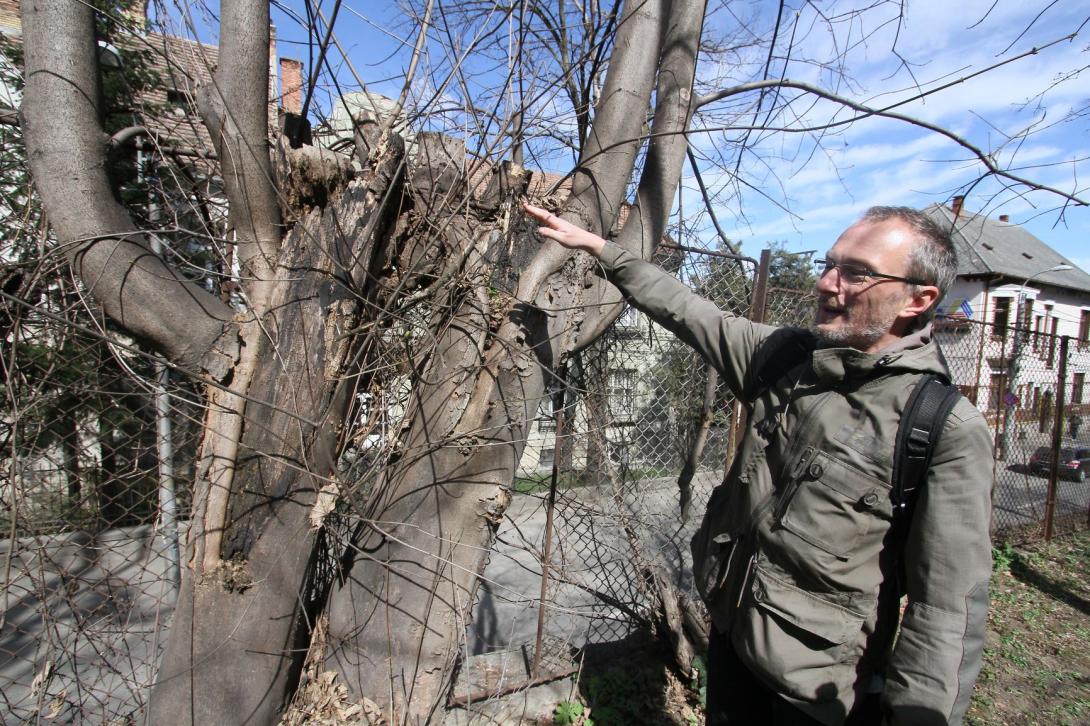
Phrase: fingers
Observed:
(562, 231)
(550, 233)
(541, 215)
(552, 221)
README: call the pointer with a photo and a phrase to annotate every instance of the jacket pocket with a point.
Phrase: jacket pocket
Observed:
(800, 640)
(834, 506)
(712, 547)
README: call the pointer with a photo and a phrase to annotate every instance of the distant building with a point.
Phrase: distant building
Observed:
(182, 65)
(1007, 276)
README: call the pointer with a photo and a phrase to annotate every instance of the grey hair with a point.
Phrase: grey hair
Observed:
(933, 257)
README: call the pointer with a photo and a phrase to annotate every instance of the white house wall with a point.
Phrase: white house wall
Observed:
(976, 356)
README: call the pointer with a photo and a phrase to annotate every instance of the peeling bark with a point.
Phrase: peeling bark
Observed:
(268, 461)
(252, 589)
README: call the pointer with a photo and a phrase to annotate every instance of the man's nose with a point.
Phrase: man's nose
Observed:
(828, 281)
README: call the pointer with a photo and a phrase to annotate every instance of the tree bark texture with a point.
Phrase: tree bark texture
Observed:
(67, 153)
(252, 588)
(235, 109)
(396, 623)
(511, 312)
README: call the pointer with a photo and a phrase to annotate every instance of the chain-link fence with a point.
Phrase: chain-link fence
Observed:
(97, 445)
(645, 432)
(98, 450)
(1031, 388)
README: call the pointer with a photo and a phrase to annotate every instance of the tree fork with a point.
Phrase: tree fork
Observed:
(243, 618)
(67, 152)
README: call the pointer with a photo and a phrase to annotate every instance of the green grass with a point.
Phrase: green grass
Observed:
(1036, 668)
(1037, 657)
(539, 482)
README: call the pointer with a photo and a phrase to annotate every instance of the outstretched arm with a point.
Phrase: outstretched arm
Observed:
(725, 341)
(564, 232)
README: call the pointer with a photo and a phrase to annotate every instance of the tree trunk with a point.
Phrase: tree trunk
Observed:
(274, 429)
(256, 576)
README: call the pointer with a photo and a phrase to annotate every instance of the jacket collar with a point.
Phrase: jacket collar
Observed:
(915, 352)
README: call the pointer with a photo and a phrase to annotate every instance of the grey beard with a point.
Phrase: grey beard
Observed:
(855, 336)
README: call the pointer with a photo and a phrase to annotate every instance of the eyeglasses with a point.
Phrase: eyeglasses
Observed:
(857, 274)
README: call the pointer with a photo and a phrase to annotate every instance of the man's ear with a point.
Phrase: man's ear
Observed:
(924, 298)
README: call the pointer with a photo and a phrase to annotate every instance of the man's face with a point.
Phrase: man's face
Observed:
(864, 314)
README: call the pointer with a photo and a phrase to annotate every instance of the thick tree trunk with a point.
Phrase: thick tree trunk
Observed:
(272, 437)
(243, 619)
(396, 623)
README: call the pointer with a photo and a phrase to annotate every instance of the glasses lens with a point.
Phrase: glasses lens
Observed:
(854, 273)
(849, 274)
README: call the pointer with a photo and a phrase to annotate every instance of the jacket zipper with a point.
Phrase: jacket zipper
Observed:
(795, 481)
(808, 454)
(745, 580)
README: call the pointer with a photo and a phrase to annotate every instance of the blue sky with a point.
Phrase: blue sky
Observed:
(881, 161)
(871, 161)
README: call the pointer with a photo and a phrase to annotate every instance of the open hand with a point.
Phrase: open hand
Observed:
(564, 232)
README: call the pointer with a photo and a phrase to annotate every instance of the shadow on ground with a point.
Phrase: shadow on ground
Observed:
(1055, 589)
(634, 681)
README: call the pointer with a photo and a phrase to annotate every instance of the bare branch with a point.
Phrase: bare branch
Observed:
(864, 111)
(240, 132)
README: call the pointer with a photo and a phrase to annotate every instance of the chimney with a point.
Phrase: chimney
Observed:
(291, 85)
(955, 206)
(1004, 218)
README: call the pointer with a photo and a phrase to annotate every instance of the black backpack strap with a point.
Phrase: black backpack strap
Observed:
(921, 423)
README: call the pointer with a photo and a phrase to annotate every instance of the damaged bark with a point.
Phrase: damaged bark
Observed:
(359, 246)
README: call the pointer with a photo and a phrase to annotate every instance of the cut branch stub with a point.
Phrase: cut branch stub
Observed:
(508, 181)
(437, 170)
(384, 159)
(309, 177)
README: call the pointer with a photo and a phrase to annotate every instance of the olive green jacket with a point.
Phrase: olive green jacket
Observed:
(795, 558)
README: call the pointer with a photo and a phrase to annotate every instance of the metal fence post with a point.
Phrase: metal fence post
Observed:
(759, 304)
(1057, 437)
(168, 509)
(758, 311)
(559, 404)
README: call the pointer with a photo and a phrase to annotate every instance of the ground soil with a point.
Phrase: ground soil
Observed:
(1037, 655)
(1036, 669)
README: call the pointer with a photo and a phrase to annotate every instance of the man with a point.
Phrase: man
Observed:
(798, 558)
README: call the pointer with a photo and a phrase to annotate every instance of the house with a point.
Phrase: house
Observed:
(179, 66)
(1002, 324)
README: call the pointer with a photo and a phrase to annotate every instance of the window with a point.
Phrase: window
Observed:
(178, 103)
(546, 421)
(1002, 316)
(620, 453)
(1077, 387)
(1027, 312)
(1084, 328)
(1038, 326)
(629, 318)
(622, 393)
(548, 456)
(996, 390)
